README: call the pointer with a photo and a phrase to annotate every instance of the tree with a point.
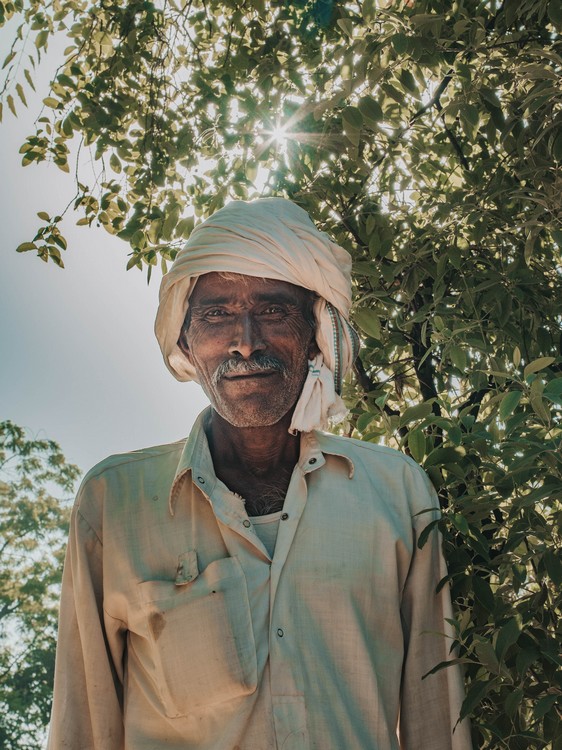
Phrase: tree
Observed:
(425, 137)
(33, 528)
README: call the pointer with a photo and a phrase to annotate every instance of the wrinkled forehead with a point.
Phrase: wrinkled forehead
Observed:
(218, 282)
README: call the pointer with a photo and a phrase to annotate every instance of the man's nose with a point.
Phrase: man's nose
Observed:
(247, 338)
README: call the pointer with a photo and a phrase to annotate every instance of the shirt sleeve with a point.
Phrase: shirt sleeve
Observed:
(88, 693)
(430, 707)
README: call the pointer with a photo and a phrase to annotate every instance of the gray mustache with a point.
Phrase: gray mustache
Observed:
(258, 363)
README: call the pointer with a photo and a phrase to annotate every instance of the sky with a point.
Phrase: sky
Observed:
(79, 362)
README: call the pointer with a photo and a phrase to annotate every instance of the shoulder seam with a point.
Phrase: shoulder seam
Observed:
(94, 532)
(133, 457)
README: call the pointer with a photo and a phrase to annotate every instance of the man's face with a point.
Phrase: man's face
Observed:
(249, 340)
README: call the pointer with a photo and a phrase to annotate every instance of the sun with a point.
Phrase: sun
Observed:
(279, 134)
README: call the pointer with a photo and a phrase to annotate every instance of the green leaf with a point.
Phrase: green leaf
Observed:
(41, 38)
(364, 420)
(365, 268)
(25, 246)
(460, 523)
(455, 434)
(8, 59)
(60, 241)
(513, 701)
(409, 82)
(487, 655)
(555, 13)
(400, 43)
(416, 444)
(115, 163)
(476, 693)
(371, 109)
(21, 94)
(43, 215)
(530, 245)
(184, 227)
(509, 403)
(553, 391)
(471, 114)
(544, 704)
(553, 564)
(490, 96)
(458, 357)
(55, 256)
(557, 148)
(483, 593)
(29, 79)
(537, 364)
(369, 10)
(447, 455)
(346, 25)
(527, 656)
(134, 260)
(418, 411)
(352, 118)
(368, 321)
(507, 636)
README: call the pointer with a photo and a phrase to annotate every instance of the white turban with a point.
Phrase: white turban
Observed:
(271, 238)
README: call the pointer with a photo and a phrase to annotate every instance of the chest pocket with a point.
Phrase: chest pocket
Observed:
(201, 637)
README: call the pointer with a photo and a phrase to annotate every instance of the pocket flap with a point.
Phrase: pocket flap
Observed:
(187, 569)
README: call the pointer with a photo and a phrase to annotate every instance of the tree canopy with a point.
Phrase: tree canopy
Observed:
(33, 527)
(425, 137)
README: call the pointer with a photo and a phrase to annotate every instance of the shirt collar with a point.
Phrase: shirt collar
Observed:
(316, 445)
(196, 460)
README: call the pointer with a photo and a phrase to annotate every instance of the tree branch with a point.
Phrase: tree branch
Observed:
(453, 139)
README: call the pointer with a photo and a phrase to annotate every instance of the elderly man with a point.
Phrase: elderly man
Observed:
(259, 586)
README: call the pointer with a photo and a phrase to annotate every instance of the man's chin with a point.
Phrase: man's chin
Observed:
(245, 417)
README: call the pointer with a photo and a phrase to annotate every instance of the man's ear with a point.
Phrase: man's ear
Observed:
(313, 349)
(182, 342)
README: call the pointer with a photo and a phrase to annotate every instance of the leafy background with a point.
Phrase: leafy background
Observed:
(425, 137)
(33, 529)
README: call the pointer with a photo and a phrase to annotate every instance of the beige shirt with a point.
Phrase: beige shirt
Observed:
(178, 630)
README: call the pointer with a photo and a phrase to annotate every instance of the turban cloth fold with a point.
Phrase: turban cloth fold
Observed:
(271, 238)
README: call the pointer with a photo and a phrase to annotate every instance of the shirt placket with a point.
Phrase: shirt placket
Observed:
(287, 699)
(289, 709)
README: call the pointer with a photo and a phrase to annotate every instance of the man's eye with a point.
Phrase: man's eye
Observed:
(273, 310)
(216, 313)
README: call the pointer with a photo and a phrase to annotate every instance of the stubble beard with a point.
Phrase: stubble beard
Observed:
(260, 411)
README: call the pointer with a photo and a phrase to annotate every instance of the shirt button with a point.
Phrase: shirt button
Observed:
(246, 523)
(280, 632)
(284, 516)
(312, 460)
(200, 480)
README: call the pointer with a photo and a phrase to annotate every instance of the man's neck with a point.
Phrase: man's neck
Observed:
(255, 462)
